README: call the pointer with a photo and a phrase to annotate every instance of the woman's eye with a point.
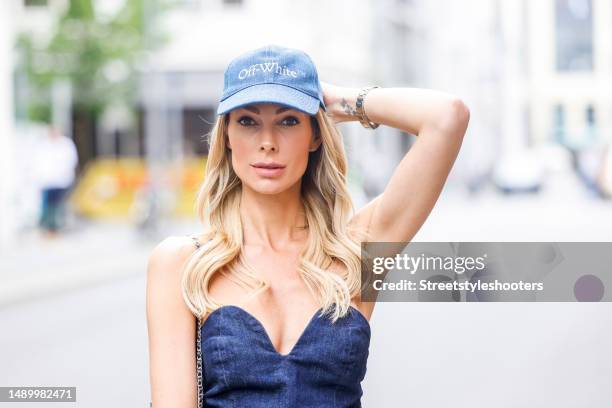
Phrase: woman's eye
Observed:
(246, 121)
(290, 121)
(249, 122)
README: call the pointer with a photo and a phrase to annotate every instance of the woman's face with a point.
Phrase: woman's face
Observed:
(270, 144)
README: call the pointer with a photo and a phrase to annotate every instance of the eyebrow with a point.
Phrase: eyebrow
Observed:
(255, 110)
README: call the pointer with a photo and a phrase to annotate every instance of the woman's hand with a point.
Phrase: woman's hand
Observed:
(340, 102)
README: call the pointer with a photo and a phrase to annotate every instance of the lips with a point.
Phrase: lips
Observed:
(268, 170)
(271, 165)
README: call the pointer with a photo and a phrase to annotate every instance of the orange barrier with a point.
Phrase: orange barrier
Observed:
(113, 188)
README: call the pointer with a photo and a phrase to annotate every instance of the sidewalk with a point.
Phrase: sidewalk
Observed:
(94, 253)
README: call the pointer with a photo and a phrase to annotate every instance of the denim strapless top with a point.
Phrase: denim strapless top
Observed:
(239, 366)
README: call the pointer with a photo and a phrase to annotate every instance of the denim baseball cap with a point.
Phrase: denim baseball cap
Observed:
(272, 74)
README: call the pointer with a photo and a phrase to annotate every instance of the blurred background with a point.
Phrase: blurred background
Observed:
(104, 109)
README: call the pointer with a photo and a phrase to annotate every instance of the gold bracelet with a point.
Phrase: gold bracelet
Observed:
(363, 118)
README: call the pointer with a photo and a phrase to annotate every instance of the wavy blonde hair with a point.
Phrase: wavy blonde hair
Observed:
(328, 207)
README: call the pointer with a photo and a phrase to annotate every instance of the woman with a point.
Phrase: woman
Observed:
(273, 281)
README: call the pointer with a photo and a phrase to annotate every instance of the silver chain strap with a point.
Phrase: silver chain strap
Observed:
(199, 349)
(199, 367)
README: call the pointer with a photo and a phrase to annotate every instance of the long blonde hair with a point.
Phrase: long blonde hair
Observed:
(328, 207)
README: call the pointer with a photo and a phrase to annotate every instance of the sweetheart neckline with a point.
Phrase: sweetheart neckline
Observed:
(264, 332)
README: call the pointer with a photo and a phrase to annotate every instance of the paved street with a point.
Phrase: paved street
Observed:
(93, 338)
(72, 313)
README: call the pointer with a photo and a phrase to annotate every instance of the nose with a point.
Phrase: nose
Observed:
(267, 146)
(267, 142)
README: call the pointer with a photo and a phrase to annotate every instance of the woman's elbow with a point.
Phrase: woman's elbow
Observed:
(455, 117)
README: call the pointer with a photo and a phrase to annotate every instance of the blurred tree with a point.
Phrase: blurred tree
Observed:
(98, 56)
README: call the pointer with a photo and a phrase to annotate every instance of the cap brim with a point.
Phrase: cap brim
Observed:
(270, 93)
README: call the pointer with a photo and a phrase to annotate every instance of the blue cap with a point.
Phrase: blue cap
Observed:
(272, 74)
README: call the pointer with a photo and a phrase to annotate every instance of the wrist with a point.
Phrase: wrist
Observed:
(365, 121)
(342, 104)
(345, 107)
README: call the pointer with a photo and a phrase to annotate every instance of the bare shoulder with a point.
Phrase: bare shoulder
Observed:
(164, 273)
(175, 245)
(170, 254)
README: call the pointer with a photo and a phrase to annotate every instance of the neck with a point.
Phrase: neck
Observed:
(274, 221)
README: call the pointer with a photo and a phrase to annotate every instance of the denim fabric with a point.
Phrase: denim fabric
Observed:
(241, 367)
(52, 205)
(272, 74)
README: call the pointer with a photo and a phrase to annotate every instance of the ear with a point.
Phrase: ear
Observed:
(316, 139)
(226, 119)
(315, 143)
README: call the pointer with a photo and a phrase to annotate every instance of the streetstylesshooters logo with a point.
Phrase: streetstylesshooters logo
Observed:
(453, 264)
(266, 67)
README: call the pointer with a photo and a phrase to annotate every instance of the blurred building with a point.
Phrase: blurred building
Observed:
(7, 129)
(531, 73)
(453, 47)
(569, 58)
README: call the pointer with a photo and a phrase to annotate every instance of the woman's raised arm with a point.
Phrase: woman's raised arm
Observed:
(439, 120)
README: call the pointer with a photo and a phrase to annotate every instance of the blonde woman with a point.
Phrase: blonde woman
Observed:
(262, 308)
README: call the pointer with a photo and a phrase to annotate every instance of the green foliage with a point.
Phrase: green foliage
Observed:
(99, 57)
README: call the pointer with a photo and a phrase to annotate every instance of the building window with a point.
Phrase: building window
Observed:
(559, 116)
(591, 124)
(574, 35)
(590, 116)
(559, 124)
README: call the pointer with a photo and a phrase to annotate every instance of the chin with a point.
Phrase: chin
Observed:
(268, 187)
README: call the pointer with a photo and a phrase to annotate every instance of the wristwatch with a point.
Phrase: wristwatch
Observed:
(363, 118)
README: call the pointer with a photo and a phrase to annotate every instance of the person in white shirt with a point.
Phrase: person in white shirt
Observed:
(56, 160)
